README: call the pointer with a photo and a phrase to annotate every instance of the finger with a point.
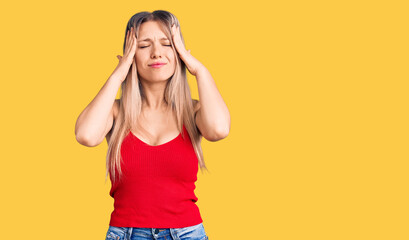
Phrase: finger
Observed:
(133, 35)
(133, 41)
(133, 44)
(127, 39)
(130, 34)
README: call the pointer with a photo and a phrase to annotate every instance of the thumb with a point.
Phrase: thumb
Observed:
(119, 57)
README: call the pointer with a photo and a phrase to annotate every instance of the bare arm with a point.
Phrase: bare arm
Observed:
(96, 120)
(212, 117)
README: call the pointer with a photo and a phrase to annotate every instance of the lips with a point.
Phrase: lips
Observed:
(156, 64)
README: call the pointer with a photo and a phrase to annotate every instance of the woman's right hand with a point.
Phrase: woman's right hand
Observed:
(126, 61)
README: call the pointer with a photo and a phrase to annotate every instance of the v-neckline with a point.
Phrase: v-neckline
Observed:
(168, 142)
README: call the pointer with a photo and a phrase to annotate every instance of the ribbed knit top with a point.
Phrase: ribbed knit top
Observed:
(157, 185)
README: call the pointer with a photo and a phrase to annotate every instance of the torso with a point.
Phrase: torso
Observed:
(162, 126)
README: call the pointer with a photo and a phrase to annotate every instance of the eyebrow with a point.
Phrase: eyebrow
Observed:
(150, 40)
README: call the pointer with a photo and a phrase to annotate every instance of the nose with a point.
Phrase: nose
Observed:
(156, 51)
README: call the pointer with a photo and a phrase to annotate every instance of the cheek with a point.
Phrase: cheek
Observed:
(139, 54)
(172, 58)
(170, 54)
(173, 62)
(140, 59)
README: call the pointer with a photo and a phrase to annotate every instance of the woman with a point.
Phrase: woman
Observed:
(154, 131)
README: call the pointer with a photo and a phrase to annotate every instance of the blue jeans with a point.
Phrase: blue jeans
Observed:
(196, 232)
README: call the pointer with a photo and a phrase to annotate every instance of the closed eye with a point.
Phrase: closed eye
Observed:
(149, 46)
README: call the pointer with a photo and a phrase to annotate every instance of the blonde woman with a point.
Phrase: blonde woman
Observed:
(154, 131)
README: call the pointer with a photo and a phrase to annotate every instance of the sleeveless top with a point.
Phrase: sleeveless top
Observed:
(157, 185)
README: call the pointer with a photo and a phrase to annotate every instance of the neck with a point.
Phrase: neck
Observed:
(154, 95)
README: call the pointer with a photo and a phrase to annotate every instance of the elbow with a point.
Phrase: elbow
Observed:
(224, 129)
(85, 138)
(85, 141)
(220, 133)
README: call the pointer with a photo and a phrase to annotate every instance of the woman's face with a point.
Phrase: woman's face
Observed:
(153, 46)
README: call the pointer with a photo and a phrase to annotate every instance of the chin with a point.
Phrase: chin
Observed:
(159, 78)
(156, 76)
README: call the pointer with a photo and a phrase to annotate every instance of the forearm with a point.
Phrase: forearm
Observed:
(213, 110)
(92, 121)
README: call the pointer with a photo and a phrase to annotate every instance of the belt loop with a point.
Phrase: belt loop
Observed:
(174, 234)
(153, 232)
(130, 233)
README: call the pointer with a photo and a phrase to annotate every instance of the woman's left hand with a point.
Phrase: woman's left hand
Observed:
(192, 64)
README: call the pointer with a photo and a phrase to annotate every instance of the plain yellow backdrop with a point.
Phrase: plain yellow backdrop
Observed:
(318, 97)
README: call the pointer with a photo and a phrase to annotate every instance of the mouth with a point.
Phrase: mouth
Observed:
(158, 65)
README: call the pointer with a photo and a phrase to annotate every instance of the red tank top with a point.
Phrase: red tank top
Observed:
(157, 185)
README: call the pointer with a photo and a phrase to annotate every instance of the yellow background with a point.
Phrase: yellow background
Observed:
(318, 97)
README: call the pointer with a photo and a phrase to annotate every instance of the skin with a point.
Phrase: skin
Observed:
(158, 122)
(212, 118)
(161, 124)
(158, 50)
(147, 52)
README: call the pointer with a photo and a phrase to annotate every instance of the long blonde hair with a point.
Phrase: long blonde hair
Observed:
(177, 95)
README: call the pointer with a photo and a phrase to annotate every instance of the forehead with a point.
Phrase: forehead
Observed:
(151, 30)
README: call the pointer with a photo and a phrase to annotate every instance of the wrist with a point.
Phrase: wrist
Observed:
(201, 70)
(119, 74)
